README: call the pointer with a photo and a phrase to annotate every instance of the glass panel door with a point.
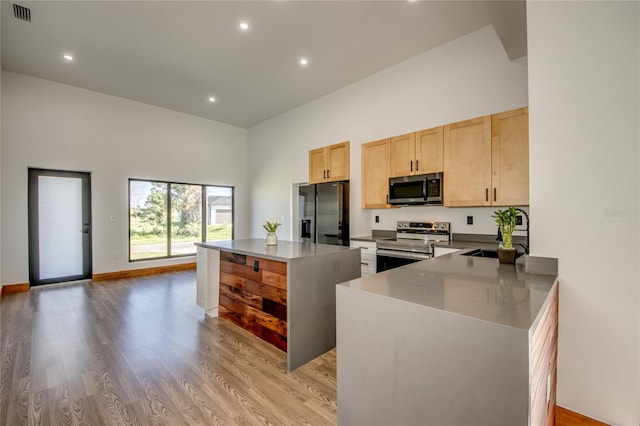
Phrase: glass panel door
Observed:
(59, 226)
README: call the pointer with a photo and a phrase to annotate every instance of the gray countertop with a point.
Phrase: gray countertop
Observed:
(284, 251)
(481, 288)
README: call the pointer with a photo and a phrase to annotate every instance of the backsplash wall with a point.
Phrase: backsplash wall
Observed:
(483, 223)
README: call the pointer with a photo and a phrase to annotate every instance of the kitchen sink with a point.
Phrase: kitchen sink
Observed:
(487, 253)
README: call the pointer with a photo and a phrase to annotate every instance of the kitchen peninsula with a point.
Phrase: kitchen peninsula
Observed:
(453, 340)
(284, 294)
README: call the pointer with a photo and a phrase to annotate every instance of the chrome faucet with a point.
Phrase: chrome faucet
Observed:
(526, 247)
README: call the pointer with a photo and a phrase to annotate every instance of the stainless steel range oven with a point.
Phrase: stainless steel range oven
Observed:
(414, 242)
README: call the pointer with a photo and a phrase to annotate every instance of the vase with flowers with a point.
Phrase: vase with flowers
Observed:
(271, 225)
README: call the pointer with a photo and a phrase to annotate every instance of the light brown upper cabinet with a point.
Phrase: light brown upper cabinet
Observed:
(329, 163)
(375, 174)
(510, 158)
(417, 153)
(403, 155)
(486, 160)
(467, 162)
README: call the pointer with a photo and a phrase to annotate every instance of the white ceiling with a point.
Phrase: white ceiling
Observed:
(175, 54)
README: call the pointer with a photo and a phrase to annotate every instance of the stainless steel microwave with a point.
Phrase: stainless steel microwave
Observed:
(416, 190)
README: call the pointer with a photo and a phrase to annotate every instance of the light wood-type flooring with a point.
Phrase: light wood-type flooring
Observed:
(139, 351)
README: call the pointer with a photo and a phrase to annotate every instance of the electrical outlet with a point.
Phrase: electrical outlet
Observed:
(377, 219)
(519, 219)
(469, 220)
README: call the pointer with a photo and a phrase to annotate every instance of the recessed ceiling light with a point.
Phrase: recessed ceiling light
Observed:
(304, 61)
(243, 25)
(67, 57)
(212, 99)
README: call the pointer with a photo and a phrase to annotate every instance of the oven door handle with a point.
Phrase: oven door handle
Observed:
(403, 254)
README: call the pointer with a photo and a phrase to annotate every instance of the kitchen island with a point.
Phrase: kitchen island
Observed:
(284, 294)
(453, 340)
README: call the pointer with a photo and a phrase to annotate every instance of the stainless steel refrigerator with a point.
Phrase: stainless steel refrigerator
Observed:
(324, 213)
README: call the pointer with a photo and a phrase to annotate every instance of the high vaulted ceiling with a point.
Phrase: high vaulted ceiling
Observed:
(176, 54)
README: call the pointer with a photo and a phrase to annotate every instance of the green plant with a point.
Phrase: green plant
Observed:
(506, 220)
(271, 225)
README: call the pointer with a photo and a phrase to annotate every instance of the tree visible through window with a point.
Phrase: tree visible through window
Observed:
(166, 219)
(186, 218)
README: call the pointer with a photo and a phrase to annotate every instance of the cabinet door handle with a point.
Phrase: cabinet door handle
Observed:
(364, 263)
(494, 194)
(417, 165)
(324, 174)
(411, 165)
(387, 198)
(256, 265)
(486, 194)
(327, 173)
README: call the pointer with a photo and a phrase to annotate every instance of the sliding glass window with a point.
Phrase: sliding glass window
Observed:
(166, 218)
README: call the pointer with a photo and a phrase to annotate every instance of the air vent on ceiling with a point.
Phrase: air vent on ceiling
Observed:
(21, 12)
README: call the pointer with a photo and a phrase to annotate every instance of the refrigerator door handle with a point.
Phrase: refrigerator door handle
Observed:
(340, 212)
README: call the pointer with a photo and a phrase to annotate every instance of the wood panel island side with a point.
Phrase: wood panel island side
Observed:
(283, 294)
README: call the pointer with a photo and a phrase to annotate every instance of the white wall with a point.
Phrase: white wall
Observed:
(55, 126)
(483, 222)
(584, 138)
(466, 78)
